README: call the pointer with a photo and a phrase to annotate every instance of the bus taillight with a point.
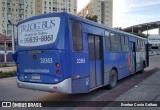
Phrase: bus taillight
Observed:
(58, 72)
(57, 65)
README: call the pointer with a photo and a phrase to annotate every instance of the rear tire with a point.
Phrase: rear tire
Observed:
(113, 79)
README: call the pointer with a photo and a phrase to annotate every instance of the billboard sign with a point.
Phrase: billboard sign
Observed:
(154, 39)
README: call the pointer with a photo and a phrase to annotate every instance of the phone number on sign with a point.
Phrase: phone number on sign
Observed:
(35, 39)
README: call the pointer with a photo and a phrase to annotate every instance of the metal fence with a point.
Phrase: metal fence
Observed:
(8, 57)
(7, 48)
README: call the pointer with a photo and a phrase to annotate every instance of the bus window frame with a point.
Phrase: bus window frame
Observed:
(105, 37)
(73, 44)
(115, 33)
(125, 43)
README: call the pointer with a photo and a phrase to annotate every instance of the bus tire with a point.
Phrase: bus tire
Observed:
(113, 78)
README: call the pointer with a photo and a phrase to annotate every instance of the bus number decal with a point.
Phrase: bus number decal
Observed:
(81, 60)
(36, 39)
(46, 60)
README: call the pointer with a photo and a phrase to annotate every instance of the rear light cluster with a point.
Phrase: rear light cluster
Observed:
(58, 66)
(58, 72)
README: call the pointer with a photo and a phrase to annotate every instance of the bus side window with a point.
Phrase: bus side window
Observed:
(138, 45)
(143, 46)
(115, 42)
(124, 43)
(127, 43)
(91, 47)
(107, 41)
(77, 36)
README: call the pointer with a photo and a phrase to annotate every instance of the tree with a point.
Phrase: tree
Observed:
(92, 18)
(138, 34)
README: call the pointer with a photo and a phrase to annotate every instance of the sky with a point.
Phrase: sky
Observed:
(131, 12)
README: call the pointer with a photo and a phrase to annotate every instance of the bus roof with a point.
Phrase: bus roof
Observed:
(64, 14)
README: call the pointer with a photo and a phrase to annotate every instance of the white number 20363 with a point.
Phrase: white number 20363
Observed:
(46, 60)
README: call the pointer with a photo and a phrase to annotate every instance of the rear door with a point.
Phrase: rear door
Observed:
(133, 56)
(147, 54)
(95, 60)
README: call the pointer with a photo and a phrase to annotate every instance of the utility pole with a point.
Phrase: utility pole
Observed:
(147, 30)
(5, 50)
(13, 47)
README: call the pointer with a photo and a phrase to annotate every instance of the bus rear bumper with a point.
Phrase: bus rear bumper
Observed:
(64, 86)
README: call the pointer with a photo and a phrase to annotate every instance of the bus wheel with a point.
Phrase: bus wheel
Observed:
(113, 79)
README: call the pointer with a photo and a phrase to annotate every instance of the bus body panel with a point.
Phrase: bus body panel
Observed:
(124, 65)
(79, 73)
(42, 65)
(80, 85)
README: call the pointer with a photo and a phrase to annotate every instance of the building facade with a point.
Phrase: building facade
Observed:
(103, 9)
(8, 51)
(17, 10)
(71, 6)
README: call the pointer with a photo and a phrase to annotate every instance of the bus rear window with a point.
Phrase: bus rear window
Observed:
(38, 32)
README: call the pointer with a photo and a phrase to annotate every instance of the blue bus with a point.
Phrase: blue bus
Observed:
(60, 52)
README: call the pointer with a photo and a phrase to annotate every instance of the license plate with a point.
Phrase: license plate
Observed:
(36, 77)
